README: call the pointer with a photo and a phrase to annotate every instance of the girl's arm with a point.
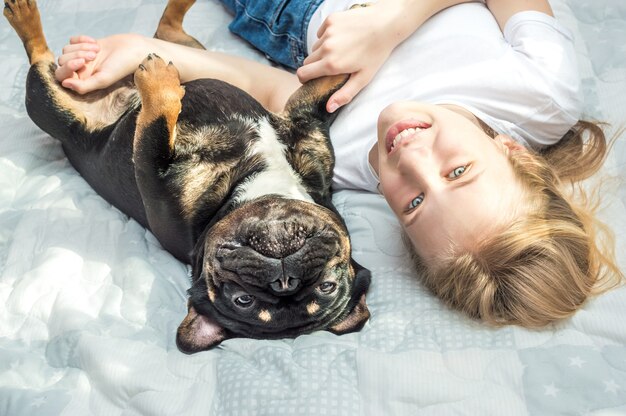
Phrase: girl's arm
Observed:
(358, 41)
(87, 65)
(502, 10)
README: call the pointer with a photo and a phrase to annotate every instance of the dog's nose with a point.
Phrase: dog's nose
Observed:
(285, 285)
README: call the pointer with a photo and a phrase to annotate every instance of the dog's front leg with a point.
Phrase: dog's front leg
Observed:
(159, 86)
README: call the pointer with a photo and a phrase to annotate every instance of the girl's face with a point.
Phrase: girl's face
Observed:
(446, 180)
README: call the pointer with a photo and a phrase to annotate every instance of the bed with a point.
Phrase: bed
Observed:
(90, 302)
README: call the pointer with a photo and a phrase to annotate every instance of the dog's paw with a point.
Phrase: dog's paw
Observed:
(154, 78)
(21, 14)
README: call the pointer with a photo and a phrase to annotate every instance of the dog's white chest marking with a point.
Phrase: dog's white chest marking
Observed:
(278, 177)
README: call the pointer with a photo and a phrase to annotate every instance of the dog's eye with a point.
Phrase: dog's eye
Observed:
(244, 301)
(327, 287)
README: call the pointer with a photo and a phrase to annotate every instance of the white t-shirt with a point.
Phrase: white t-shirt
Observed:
(523, 82)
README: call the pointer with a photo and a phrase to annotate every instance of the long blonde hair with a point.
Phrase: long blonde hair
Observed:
(546, 263)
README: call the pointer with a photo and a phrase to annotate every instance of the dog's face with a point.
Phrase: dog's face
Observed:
(274, 268)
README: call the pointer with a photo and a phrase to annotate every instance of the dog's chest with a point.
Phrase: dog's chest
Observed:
(278, 176)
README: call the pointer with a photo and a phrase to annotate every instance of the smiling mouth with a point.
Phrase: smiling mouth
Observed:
(402, 131)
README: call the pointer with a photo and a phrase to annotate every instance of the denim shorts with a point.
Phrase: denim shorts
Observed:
(278, 28)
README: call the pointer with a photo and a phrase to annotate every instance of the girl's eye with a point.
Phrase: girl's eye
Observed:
(457, 172)
(417, 201)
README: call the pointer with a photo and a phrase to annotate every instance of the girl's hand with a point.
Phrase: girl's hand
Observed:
(356, 42)
(87, 64)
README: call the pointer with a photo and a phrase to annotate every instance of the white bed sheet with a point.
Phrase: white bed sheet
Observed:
(89, 301)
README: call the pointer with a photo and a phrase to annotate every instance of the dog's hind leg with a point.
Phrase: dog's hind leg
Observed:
(60, 112)
(45, 99)
(171, 24)
(25, 19)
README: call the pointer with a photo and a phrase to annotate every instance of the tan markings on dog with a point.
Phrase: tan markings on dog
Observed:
(212, 294)
(265, 315)
(310, 156)
(337, 260)
(344, 245)
(207, 176)
(198, 180)
(195, 184)
(312, 307)
(159, 86)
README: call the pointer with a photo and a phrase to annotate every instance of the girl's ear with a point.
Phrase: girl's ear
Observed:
(509, 144)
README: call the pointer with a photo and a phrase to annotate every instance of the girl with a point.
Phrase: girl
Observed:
(466, 120)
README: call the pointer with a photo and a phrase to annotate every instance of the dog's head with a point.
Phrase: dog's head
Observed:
(273, 268)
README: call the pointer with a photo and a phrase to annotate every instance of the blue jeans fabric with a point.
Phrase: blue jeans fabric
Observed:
(277, 28)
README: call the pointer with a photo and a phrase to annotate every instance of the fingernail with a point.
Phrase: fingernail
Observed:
(332, 107)
(91, 55)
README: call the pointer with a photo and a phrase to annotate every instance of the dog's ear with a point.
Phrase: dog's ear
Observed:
(355, 320)
(198, 333)
(311, 97)
(359, 314)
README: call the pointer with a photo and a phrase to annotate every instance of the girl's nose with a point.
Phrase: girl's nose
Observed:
(419, 164)
(414, 156)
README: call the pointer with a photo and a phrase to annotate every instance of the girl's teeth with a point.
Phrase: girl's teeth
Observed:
(403, 134)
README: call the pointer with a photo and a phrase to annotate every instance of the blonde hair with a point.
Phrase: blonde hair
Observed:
(545, 264)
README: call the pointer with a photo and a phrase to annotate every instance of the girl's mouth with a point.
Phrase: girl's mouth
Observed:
(402, 130)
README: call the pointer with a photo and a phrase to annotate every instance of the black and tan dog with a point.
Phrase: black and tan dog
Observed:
(241, 194)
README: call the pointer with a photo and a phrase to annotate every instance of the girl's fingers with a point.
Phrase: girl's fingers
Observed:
(316, 45)
(83, 86)
(72, 84)
(322, 28)
(85, 55)
(82, 39)
(313, 57)
(94, 47)
(345, 94)
(69, 70)
(311, 71)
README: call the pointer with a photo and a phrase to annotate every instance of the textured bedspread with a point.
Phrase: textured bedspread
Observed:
(90, 302)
